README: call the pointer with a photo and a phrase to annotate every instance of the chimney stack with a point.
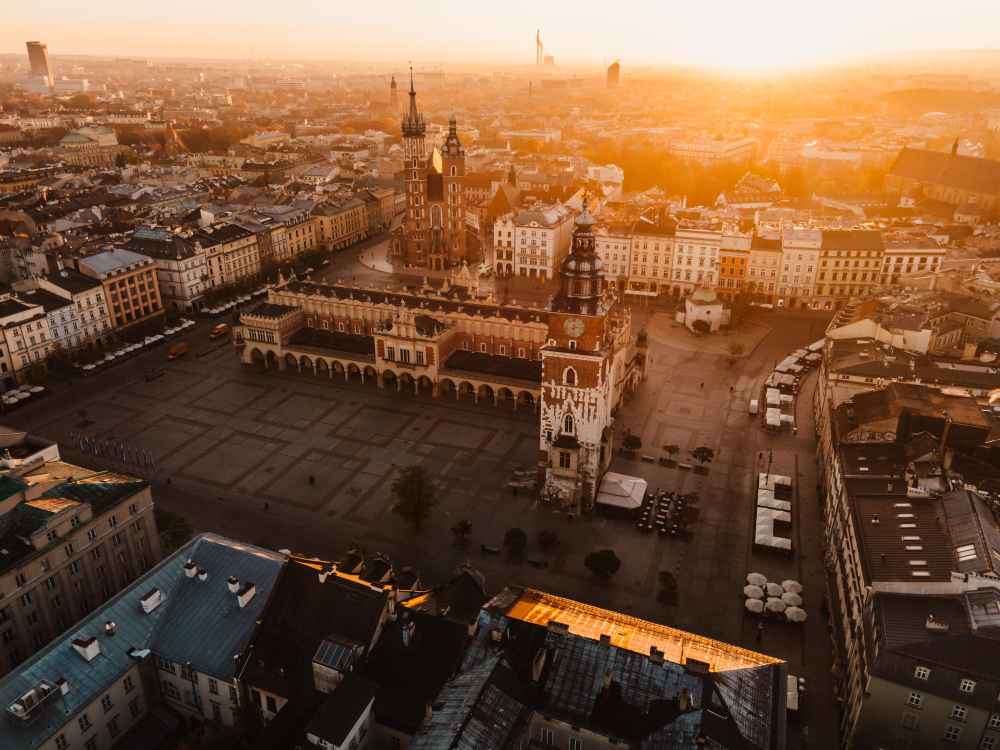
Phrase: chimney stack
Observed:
(655, 655)
(109, 627)
(190, 569)
(428, 710)
(607, 677)
(538, 664)
(234, 583)
(685, 700)
(408, 629)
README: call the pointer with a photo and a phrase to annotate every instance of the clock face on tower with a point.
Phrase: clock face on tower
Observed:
(573, 327)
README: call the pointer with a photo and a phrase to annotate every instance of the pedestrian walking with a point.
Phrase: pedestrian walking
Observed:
(267, 507)
(760, 630)
(703, 386)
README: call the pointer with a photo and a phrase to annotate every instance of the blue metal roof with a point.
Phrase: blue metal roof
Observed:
(191, 613)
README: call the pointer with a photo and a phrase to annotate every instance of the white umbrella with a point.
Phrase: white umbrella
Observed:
(775, 605)
(120, 353)
(774, 589)
(87, 367)
(37, 388)
(109, 358)
(22, 395)
(794, 614)
(753, 592)
(794, 586)
(756, 579)
(791, 599)
(754, 605)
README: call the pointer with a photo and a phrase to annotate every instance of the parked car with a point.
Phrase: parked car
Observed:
(177, 350)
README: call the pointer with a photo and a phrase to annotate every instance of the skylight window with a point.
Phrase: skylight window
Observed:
(966, 552)
(920, 574)
(902, 505)
(911, 538)
(914, 548)
(904, 515)
(918, 562)
(907, 526)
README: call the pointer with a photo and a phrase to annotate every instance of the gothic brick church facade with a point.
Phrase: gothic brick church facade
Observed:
(434, 234)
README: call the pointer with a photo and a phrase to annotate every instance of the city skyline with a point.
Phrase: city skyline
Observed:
(738, 37)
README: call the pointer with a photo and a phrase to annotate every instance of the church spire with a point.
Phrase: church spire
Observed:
(413, 121)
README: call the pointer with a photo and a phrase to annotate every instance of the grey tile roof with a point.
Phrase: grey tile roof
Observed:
(111, 260)
(136, 628)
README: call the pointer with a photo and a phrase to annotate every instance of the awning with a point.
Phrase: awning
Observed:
(642, 294)
(622, 491)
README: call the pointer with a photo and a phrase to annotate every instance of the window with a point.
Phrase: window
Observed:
(170, 689)
(564, 460)
(959, 712)
(95, 554)
(52, 534)
(106, 703)
(165, 664)
(967, 686)
(61, 741)
(989, 743)
(188, 674)
(915, 700)
(133, 509)
(26, 599)
(56, 602)
(569, 376)
(128, 684)
(951, 734)
(113, 728)
(921, 673)
(272, 704)
(546, 736)
(568, 424)
(84, 723)
(213, 686)
(91, 744)
(575, 744)
(69, 549)
(232, 693)
(995, 721)
(112, 522)
(133, 708)
(92, 535)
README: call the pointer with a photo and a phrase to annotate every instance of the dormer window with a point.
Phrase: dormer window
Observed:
(967, 686)
(572, 343)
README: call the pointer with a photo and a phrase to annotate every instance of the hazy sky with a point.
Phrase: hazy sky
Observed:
(737, 33)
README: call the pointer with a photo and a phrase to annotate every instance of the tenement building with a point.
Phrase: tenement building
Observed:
(577, 358)
(72, 539)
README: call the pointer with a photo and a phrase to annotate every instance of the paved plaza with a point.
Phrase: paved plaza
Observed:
(306, 462)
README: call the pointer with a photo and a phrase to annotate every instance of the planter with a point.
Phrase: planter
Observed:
(462, 543)
(630, 455)
(703, 470)
(668, 462)
(602, 581)
(517, 558)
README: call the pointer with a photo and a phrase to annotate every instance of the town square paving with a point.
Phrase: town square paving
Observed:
(306, 462)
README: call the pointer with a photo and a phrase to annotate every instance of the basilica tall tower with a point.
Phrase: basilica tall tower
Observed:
(415, 170)
(577, 379)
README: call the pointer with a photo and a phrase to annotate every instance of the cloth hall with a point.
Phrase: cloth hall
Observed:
(573, 361)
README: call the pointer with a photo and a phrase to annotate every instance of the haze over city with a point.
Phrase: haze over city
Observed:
(729, 34)
(559, 376)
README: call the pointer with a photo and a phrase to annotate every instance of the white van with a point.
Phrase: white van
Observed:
(754, 406)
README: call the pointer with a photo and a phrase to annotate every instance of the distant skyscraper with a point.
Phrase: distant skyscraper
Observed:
(613, 70)
(38, 56)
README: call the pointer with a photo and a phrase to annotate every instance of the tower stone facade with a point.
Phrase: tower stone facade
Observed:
(393, 96)
(589, 349)
(434, 229)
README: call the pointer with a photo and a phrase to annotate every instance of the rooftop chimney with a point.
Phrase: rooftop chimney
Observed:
(558, 627)
(151, 600)
(428, 710)
(62, 685)
(606, 640)
(655, 655)
(190, 569)
(607, 677)
(245, 594)
(537, 664)
(88, 648)
(202, 574)
(109, 627)
(234, 584)
(408, 632)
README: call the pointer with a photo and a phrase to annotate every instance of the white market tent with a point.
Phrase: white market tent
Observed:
(785, 380)
(786, 399)
(773, 396)
(815, 347)
(773, 417)
(814, 357)
(622, 491)
(787, 419)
